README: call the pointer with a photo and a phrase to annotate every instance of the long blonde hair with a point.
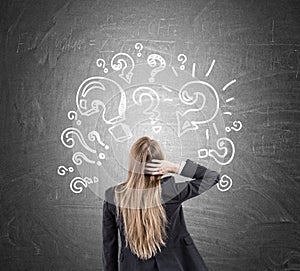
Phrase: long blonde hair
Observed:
(138, 200)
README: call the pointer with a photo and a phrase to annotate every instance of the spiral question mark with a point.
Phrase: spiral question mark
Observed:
(93, 135)
(62, 170)
(78, 157)
(154, 60)
(77, 184)
(139, 47)
(101, 64)
(74, 185)
(237, 126)
(151, 110)
(225, 183)
(123, 62)
(182, 58)
(72, 115)
(203, 153)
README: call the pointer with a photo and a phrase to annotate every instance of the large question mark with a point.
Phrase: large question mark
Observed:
(237, 126)
(154, 60)
(151, 109)
(203, 153)
(207, 100)
(101, 64)
(95, 92)
(125, 63)
(182, 58)
(139, 47)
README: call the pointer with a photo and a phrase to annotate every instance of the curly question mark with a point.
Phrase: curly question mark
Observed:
(139, 47)
(101, 64)
(182, 58)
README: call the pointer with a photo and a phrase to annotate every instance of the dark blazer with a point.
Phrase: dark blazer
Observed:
(180, 252)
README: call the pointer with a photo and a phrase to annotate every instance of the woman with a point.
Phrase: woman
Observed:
(146, 210)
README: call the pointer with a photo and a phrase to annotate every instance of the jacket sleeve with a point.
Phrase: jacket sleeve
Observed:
(202, 180)
(109, 238)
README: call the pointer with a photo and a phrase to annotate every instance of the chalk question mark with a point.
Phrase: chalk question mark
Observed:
(225, 183)
(93, 135)
(182, 58)
(203, 153)
(62, 170)
(125, 63)
(139, 47)
(237, 126)
(152, 108)
(72, 115)
(154, 60)
(78, 184)
(101, 64)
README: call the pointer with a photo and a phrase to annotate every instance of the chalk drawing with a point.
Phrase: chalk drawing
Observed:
(182, 58)
(79, 157)
(174, 71)
(215, 128)
(217, 155)
(123, 62)
(139, 47)
(103, 88)
(93, 135)
(158, 63)
(68, 141)
(101, 103)
(101, 64)
(151, 110)
(229, 100)
(229, 84)
(72, 115)
(225, 183)
(190, 119)
(210, 68)
(167, 89)
(78, 184)
(120, 132)
(62, 170)
(193, 70)
(237, 126)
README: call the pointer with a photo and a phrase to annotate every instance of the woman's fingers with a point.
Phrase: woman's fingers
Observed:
(152, 168)
(154, 163)
(156, 160)
(152, 172)
(150, 165)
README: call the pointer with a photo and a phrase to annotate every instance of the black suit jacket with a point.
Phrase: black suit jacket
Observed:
(180, 252)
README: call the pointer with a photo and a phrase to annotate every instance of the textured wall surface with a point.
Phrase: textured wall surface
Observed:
(48, 48)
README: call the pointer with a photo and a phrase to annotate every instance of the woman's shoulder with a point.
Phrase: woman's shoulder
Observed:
(109, 194)
(168, 189)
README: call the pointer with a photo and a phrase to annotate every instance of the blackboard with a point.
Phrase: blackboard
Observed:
(237, 63)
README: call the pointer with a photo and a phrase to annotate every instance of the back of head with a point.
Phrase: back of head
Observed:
(143, 150)
(139, 201)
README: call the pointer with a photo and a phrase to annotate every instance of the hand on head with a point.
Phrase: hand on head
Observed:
(156, 167)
